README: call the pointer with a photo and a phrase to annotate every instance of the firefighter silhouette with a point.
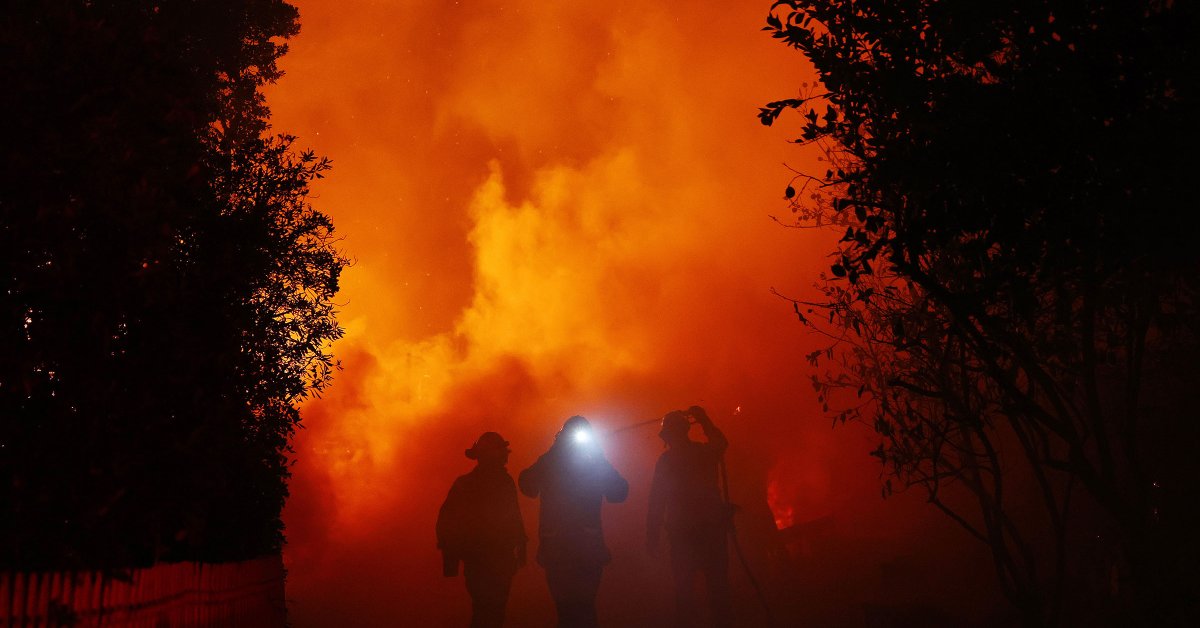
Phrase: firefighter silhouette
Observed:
(686, 500)
(480, 526)
(572, 480)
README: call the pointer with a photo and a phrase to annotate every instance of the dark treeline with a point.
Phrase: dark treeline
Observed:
(1014, 296)
(165, 288)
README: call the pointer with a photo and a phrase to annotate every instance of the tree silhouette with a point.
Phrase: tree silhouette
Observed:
(165, 299)
(1014, 295)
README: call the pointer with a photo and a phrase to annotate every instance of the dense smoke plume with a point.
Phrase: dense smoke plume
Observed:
(557, 209)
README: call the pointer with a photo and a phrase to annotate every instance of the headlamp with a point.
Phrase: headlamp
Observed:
(582, 436)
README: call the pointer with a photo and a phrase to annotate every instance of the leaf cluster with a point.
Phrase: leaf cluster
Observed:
(1015, 270)
(165, 287)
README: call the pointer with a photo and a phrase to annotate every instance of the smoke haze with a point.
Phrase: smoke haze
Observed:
(558, 209)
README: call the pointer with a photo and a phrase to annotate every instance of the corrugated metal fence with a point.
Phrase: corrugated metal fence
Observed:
(247, 593)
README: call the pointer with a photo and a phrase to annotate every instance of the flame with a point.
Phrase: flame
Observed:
(799, 492)
(781, 505)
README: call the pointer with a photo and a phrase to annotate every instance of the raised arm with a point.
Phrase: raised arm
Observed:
(530, 480)
(616, 488)
(516, 527)
(716, 438)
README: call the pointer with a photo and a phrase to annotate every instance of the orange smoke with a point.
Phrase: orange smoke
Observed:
(555, 209)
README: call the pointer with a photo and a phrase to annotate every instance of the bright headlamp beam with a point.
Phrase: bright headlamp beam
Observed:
(583, 436)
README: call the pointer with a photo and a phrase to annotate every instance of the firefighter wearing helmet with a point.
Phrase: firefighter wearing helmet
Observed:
(480, 526)
(572, 480)
(686, 502)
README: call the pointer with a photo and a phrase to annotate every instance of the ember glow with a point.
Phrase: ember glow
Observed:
(555, 209)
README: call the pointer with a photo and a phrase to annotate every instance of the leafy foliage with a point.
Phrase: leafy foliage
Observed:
(1013, 300)
(165, 298)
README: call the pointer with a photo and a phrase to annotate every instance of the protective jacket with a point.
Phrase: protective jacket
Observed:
(684, 494)
(480, 519)
(572, 481)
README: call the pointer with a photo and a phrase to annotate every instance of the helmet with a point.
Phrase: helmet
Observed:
(576, 423)
(674, 425)
(577, 428)
(487, 441)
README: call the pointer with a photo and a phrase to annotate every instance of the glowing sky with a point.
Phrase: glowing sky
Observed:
(554, 208)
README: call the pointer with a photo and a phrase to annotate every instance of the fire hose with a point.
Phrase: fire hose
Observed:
(733, 537)
(737, 547)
